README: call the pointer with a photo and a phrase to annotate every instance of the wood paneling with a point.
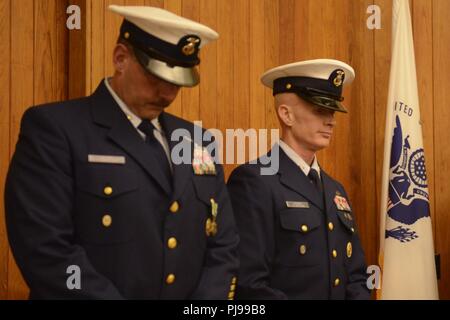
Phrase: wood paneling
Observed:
(422, 15)
(272, 46)
(5, 83)
(225, 73)
(257, 42)
(22, 81)
(34, 71)
(208, 67)
(441, 81)
(255, 35)
(359, 175)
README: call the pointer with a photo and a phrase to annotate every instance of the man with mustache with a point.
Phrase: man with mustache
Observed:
(297, 229)
(96, 206)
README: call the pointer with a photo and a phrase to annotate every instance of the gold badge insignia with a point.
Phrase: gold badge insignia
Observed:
(349, 250)
(189, 48)
(339, 78)
(211, 223)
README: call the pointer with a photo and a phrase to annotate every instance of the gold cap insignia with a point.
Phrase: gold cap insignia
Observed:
(189, 48)
(339, 78)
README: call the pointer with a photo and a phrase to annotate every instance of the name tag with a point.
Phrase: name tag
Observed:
(96, 158)
(297, 204)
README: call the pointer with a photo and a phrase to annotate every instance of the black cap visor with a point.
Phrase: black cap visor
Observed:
(321, 99)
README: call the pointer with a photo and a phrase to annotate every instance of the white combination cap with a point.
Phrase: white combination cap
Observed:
(318, 81)
(165, 44)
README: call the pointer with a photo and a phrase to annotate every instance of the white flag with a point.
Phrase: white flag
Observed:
(406, 239)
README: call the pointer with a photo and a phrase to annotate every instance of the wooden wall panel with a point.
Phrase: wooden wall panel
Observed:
(99, 56)
(208, 67)
(422, 15)
(359, 177)
(381, 71)
(61, 71)
(255, 35)
(79, 78)
(191, 96)
(272, 20)
(35, 72)
(22, 76)
(289, 37)
(441, 86)
(225, 70)
(241, 81)
(257, 42)
(5, 82)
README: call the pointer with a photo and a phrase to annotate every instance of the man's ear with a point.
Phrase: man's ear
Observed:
(121, 57)
(285, 114)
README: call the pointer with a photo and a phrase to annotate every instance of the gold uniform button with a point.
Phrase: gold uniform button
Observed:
(334, 253)
(288, 86)
(336, 282)
(174, 207)
(349, 250)
(330, 226)
(108, 190)
(172, 243)
(304, 228)
(126, 35)
(107, 220)
(302, 249)
(170, 278)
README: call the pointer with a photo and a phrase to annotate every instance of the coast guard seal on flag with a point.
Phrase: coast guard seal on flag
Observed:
(408, 194)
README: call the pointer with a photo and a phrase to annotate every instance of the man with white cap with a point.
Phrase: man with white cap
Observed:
(298, 234)
(95, 206)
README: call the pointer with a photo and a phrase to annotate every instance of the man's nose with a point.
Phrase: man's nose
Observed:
(168, 90)
(330, 119)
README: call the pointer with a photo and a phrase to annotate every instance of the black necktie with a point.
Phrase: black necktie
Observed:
(315, 180)
(157, 149)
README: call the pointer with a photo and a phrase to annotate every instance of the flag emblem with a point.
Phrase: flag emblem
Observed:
(408, 194)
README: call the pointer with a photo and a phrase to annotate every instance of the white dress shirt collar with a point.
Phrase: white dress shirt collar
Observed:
(299, 160)
(134, 119)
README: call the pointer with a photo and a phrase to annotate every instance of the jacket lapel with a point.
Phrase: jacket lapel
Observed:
(329, 188)
(293, 177)
(107, 113)
(182, 173)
